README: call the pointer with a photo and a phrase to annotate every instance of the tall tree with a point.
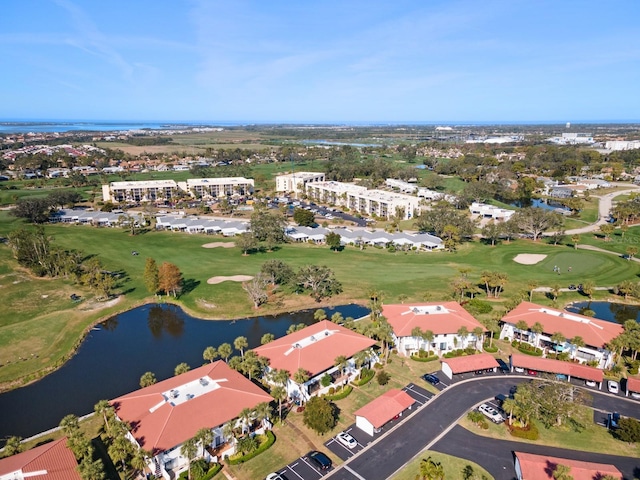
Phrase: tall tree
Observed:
(189, 450)
(320, 280)
(204, 437)
(169, 279)
(333, 241)
(12, 446)
(267, 338)
(534, 221)
(210, 354)
(241, 343)
(181, 368)
(151, 276)
(147, 379)
(319, 415)
(279, 393)
(256, 289)
(225, 351)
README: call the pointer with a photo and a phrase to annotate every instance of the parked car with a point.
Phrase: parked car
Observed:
(500, 398)
(431, 378)
(613, 420)
(613, 387)
(347, 440)
(513, 390)
(635, 395)
(560, 376)
(320, 460)
(519, 369)
(533, 373)
(590, 383)
(491, 413)
(276, 476)
(478, 372)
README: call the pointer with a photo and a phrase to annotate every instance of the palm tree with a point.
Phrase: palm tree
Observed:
(245, 417)
(139, 459)
(119, 450)
(340, 361)
(537, 329)
(300, 377)
(104, 408)
(225, 351)
(280, 377)
(147, 379)
(241, 343)
(431, 470)
(555, 291)
(521, 326)
(576, 342)
(558, 338)
(491, 324)
(562, 472)
(319, 315)
(360, 358)
(267, 338)
(210, 354)
(70, 425)
(509, 406)
(463, 333)
(204, 437)
(478, 333)
(13, 446)
(428, 336)
(189, 449)
(181, 368)
(279, 393)
(263, 411)
(91, 470)
(229, 432)
(416, 332)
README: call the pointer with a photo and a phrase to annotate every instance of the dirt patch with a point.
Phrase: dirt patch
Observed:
(92, 305)
(529, 258)
(219, 245)
(232, 278)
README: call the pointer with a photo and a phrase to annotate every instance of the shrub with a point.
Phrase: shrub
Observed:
(271, 438)
(478, 307)
(377, 366)
(424, 359)
(365, 377)
(529, 349)
(489, 349)
(340, 395)
(214, 468)
(325, 380)
(382, 377)
(528, 433)
(331, 391)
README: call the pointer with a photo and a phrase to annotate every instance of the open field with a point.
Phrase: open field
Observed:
(38, 317)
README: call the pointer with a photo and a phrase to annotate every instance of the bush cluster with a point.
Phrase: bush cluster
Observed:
(528, 433)
(527, 348)
(366, 376)
(460, 352)
(339, 396)
(476, 307)
(271, 438)
(214, 468)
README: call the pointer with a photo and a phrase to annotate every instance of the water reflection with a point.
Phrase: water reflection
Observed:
(113, 357)
(611, 312)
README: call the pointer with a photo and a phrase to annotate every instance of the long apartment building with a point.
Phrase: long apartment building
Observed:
(362, 200)
(296, 182)
(165, 190)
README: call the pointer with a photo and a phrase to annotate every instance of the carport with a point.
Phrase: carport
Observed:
(468, 363)
(549, 365)
(633, 385)
(386, 407)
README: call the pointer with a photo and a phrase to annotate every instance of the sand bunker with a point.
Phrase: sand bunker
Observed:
(232, 278)
(529, 258)
(219, 245)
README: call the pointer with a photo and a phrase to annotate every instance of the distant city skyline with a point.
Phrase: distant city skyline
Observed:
(355, 62)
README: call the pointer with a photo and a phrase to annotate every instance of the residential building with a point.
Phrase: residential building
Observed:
(314, 349)
(491, 211)
(212, 188)
(359, 199)
(194, 224)
(595, 334)
(542, 467)
(166, 414)
(51, 461)
(142, 191)
(443, 319)
(380, 411)
(296, 182)
(615, 145)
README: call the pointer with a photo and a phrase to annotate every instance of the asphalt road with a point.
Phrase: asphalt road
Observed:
(382, 459)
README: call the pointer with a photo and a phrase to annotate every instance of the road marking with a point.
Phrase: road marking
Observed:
(296, 473)
(354, 473)
(311, 467)
(418, 393)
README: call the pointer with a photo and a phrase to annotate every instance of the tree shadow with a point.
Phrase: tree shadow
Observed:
(189, 284)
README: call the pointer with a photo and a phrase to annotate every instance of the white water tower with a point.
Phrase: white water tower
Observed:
(568, 125)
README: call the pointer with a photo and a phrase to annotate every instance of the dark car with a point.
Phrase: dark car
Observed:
(320, 460)
(572, 287)
(431, 378)
(500, 398)
(613, 419)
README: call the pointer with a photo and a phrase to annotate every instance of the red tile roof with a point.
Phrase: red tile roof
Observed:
(594, 332)
(471, 363)
(633, 384)
(557, 366)
(541, 467)
(313, 348)
(385, 407)
(447, 319)
(54, 457)
(161, 423)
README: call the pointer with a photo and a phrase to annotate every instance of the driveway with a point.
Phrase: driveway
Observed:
(604, 207)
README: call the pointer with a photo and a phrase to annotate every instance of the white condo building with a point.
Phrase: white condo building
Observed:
(367, 202)
(296, 182)
(165, 190)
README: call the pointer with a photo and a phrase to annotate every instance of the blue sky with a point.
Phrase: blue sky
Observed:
(321, 61)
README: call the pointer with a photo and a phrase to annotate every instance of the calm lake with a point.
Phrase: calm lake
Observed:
(115, 354)
(612, 312)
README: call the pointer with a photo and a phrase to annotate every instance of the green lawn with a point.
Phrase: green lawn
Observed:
(453, 467)
(39, 319)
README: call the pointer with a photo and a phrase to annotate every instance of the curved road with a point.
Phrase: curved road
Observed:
(604, 208)
(430, 425)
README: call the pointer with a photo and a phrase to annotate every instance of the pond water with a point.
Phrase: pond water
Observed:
(544, 204)
(116, 353)
(611, 312)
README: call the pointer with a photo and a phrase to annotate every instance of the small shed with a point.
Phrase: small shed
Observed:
(633, 385)
(468, 363)
(386, 407)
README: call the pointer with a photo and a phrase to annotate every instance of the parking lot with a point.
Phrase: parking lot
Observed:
(302, 468)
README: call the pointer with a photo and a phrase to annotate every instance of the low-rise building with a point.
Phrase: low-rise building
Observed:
(594, 333)
(314, 349)
(542, 467)
(296, 182)
(490, 211)
(163, 416)
(380, 411)
(443, 319)
(51, 461)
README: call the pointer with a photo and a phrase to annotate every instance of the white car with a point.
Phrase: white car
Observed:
(491, 413)
(590, 383)
(347, 440)
(635, 395)
(519, 369)
(275, 476)
(613, 387)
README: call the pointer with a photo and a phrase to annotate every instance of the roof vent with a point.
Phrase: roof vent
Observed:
(326, 333)
(561, 314)
(438, 308)
(415, 310)
(312, 338)
(297, 345)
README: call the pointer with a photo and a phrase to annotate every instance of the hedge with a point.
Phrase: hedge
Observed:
(367, 376)
(339, 396)
(529, 433)
(271, 438)
(208, 476)
(489, 349)
(424, 359)
(536, 353)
